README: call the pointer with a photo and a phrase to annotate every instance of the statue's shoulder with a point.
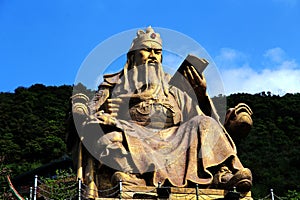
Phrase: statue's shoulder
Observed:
(110, 80)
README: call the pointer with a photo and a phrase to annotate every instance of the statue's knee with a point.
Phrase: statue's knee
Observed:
(204, 122)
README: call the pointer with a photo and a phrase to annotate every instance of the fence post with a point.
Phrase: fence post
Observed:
(79, 189)
(272, 194)
(197, 192)
(35, 187)
(30, 193)
(121, 188)
(158, 184)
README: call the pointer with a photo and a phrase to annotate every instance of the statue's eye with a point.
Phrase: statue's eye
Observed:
(157, 51)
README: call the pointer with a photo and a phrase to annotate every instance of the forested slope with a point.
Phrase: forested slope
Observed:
(32, 126)
(272, 149)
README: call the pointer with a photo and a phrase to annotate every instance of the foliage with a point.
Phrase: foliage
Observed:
(292, 195)
(61, 187)
(33, 129)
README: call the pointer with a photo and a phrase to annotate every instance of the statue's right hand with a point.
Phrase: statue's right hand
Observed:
(102, 118)
(113, 106)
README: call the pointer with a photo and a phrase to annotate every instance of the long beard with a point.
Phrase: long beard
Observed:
(146, 80)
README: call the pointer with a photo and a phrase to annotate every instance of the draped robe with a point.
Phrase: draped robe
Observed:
(175, 143)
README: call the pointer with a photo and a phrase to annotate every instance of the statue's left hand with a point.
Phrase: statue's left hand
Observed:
(196, 80)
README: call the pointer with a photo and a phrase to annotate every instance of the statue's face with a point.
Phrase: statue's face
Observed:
(149, 54)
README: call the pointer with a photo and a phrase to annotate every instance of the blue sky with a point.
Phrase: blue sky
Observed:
(254, 43)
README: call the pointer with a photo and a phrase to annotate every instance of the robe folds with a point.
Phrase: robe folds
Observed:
(181, 152)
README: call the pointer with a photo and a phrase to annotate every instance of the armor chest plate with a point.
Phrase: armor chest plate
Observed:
(155, 113)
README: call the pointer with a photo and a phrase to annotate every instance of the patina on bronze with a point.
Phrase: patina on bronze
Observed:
(158, 130)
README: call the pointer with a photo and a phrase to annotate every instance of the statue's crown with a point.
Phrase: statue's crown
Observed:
(148, 36)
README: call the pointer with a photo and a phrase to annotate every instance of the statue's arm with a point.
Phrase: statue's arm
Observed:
(102, 109)
(95, 111)
(199, 88)
(99, 99)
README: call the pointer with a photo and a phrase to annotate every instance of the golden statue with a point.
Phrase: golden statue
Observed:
(154, 132)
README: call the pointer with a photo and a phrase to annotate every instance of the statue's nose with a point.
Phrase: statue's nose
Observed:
(152, 55)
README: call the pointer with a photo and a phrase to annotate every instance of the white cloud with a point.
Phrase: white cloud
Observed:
(230, 58)
(279, 76)
(229, 54)
(275, 54)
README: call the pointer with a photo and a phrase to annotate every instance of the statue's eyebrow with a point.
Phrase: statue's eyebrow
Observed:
(150, 48)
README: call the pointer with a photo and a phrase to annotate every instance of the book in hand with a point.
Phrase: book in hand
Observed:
(179, 80)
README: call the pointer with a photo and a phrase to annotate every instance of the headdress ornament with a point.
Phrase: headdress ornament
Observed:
(142, 37)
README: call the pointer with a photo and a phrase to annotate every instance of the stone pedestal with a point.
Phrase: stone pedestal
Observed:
(136, 192)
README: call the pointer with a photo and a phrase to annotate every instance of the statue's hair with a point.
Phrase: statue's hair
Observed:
(129, 63)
